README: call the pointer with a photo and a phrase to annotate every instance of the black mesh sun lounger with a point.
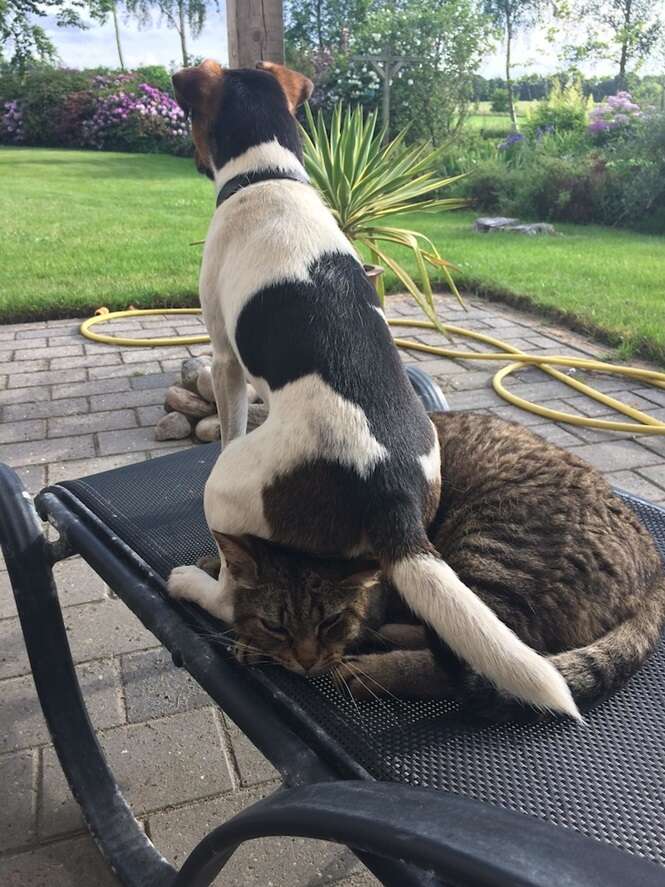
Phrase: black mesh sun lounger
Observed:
(422, 795)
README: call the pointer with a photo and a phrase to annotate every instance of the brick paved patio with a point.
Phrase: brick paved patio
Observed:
(69, 407)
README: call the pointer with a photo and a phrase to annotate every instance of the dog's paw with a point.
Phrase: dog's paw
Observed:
(182, 581)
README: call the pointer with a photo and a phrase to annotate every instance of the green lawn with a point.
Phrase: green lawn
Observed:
(83, 229)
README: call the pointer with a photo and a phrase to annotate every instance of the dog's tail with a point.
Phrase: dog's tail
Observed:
(468, 626)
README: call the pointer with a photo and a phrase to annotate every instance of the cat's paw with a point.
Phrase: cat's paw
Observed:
(181, 580)
(367, 676)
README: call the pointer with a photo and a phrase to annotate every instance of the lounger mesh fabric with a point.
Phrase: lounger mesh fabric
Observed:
(605, 779)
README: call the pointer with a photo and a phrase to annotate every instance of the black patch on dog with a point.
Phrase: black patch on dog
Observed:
(252, 110)
(330, 327)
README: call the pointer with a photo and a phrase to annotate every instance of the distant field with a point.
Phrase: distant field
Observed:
(485, 118)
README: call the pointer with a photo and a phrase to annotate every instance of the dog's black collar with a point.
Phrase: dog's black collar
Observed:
(252, 178)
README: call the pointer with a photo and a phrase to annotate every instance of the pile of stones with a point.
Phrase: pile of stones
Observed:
(191, 410)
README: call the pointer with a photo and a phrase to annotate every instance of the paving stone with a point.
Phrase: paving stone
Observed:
(441, 366)
(136, 439)
(252, 766)
(104, 628)
(171, 365)
(158, 763)
(50, 377)
(139, 369)
(154, 380)
(146, 397)
(50, 450)
(17, 431)
(77, 582)
(13, 658)
(515, 414)
(472, 400)
(150, 415)
(66, 406)
(21, 714)
(154, 687)
(555, 434)
(636, 484)
(63, 337)
(656, 474)
(361, 879)
(587, 406)
(85, 360)
(7, 604)
(470, 380)
(59, 471)
(280, 862)
(30, 330)
(33, 477)
(617, 455)
(23, 395)
(17, 811)
(654, 395)
(45, 351)
(144, 355)
(84, 389)
(73, 863)
(14, 366)
(90, 422)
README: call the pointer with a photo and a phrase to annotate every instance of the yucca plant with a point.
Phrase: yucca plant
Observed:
(365, 182)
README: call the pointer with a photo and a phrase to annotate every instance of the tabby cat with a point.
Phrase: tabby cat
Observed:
(532, 529)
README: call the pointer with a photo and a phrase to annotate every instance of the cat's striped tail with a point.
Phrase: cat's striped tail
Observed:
(474, 632)
(600, 668)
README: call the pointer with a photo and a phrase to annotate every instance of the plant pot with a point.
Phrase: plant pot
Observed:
(374, 272)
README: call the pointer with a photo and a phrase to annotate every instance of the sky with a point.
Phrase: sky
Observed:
(158, 44)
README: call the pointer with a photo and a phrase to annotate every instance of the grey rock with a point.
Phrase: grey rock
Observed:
(208, 429)
(204, 384)
(488, 223)
(190, 371)
(533, 229)
(173, 426)
(183, 401)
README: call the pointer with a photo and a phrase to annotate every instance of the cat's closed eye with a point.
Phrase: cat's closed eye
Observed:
(273, 628)
(329, 622)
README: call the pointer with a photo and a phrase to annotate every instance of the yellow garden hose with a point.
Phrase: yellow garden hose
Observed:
(643, 424)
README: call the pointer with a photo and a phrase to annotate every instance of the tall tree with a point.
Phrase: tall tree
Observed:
(101, 10)
(625, 31)
(323, 25)
(184, 16)
(24, 37)
(511, 17)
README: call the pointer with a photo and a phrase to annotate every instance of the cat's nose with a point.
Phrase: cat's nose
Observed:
(306, 656)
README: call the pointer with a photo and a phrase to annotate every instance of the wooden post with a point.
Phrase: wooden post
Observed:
(255, 32)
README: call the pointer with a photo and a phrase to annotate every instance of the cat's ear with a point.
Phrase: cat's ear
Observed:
(240, 558)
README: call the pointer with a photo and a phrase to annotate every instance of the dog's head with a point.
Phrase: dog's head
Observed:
(231, 110)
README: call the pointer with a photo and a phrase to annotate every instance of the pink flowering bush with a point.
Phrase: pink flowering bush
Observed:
(616, 112)
(133, 117)
(113, 111)
(11, 123)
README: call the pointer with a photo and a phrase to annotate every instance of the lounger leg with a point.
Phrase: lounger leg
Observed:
(120, 838)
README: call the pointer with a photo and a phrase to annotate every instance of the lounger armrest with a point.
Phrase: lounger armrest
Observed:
(461, 840)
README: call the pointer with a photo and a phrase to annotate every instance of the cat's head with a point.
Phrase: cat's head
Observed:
(300, 612)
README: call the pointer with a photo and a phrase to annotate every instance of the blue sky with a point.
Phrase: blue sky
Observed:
(158, 44)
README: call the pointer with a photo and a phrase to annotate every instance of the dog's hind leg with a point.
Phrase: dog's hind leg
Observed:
(228, 379)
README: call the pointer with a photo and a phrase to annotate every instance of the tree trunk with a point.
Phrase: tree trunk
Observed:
(255, 31)
(319, 25)
(116, 28)
(623, 58)
(509, 78)
(182, 31)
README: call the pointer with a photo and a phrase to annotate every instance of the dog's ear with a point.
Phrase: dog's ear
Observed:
(240, 558)
(297, 87)
(194, 87)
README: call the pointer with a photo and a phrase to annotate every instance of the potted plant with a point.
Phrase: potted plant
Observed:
(365, 181)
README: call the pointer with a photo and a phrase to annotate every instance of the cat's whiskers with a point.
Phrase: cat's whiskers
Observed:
(381, 702)
(375, 682)
(342, 679)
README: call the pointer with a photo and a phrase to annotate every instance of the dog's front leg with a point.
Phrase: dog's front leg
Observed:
(228, 379)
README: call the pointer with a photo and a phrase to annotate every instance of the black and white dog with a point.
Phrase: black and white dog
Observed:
(347, 462)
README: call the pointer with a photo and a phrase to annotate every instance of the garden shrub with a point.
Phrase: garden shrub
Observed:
(499, 101)
(59, 107)
(565, 110)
